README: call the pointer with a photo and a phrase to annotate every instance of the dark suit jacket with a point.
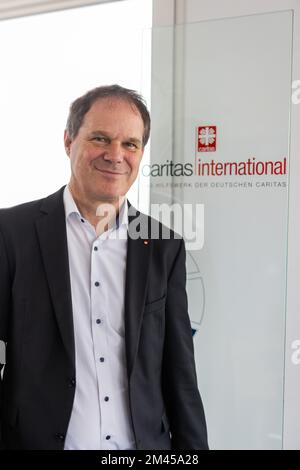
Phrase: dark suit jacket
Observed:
(39, 379)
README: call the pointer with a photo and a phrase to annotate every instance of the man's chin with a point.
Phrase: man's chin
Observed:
(109, 197)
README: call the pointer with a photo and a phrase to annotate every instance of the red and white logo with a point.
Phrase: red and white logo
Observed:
(207, 138)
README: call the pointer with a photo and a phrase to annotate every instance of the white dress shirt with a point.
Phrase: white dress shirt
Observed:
(100, 417)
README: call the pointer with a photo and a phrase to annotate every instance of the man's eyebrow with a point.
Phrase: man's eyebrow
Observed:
(134, 140)
(99, 132)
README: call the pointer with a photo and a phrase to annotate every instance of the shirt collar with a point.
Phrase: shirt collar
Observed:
(69, 203)
(71, 208)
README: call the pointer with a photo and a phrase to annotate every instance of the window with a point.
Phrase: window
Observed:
(48, 61)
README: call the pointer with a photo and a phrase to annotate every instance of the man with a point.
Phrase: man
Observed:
(99, 347)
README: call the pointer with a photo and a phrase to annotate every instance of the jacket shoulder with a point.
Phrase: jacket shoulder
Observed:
(22, 213)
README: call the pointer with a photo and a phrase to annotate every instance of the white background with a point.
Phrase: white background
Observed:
(46, 62)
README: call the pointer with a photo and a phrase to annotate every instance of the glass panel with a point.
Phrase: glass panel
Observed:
(220, 107)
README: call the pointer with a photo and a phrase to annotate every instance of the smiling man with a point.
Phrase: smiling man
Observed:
(99, 351)
(105, 153)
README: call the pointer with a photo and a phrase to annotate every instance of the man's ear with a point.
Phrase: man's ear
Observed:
(67, 142)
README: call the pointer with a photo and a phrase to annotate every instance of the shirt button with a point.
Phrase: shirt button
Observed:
(107, 438)
(82, 221)
(98, 321)
(60, 437)
(106, 398)
(95, 248)
(97, 284)
(72, 383)
(101, 359)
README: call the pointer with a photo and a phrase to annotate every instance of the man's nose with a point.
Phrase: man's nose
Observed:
(114, 152)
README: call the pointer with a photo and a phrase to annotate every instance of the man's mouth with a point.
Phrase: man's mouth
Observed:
(108, 172)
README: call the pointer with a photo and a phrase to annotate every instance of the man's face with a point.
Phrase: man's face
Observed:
(107, 151)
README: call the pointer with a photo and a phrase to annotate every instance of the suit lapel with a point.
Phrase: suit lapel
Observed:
(137, 270)
(51, 229)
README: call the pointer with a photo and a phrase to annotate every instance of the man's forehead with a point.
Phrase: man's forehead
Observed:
(104, 113)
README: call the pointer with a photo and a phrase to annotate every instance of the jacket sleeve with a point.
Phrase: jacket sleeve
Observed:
(181, 395)
(5, 300)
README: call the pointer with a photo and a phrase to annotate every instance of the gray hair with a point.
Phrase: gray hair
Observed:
(81, 106)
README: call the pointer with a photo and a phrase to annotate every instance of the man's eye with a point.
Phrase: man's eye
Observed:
(131, 145)
(100, 139)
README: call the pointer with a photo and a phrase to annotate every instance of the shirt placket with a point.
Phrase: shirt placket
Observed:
(100, 342)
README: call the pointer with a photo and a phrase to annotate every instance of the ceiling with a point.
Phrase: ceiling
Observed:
(15, 8)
